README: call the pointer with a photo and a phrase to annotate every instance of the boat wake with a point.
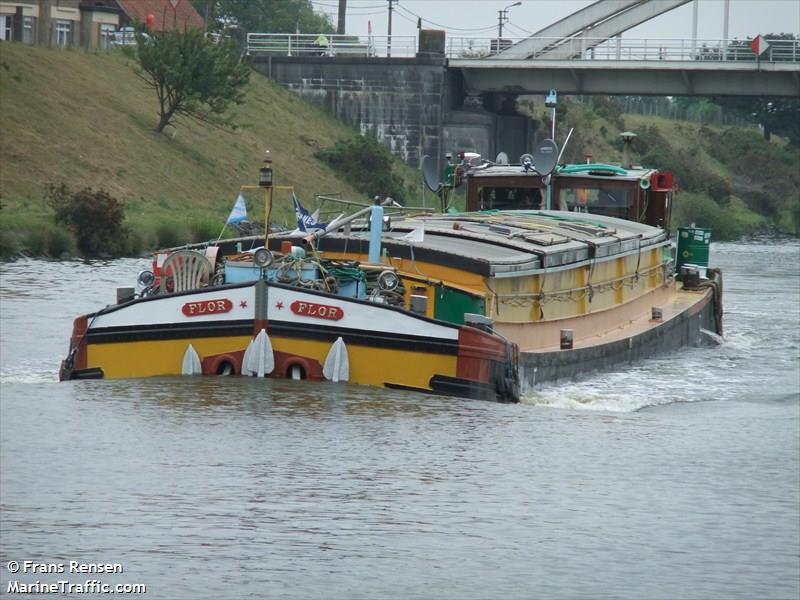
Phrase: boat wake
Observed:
(588, 398)
(712, 338)
(687, 377)
(28, 376)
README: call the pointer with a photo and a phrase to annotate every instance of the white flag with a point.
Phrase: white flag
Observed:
(415, 237)
(238, 212)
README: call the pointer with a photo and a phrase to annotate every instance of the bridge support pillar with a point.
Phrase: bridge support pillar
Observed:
(488, 125)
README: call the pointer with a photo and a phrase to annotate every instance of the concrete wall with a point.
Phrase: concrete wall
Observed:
(414, 106)
(471, 131)
(399, 101)
(487, 133)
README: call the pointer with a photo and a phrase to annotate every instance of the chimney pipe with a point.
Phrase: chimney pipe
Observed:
(627, 139)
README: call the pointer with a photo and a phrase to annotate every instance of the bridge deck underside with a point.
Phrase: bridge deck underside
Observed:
(630, 78)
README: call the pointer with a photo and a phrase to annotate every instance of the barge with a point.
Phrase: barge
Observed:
(551, 273)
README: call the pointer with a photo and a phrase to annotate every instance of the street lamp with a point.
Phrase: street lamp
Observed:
(502, 17)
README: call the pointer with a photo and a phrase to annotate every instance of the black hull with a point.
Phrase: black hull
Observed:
(537, 368)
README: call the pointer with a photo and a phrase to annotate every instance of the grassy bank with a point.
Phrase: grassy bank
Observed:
(729, 178)
(84, 119)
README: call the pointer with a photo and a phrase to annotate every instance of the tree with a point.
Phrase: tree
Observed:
(264, 16)
(366, 165)
(775, 115)
(191, 75)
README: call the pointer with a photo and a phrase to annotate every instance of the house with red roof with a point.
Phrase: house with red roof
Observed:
(89, 23)
(161, 15)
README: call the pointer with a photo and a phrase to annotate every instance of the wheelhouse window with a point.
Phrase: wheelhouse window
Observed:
(63, 33)
(612, 201)
(510, 198)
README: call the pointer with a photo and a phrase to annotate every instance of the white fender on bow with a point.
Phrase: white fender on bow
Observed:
(246, 358)
(259, 359)
(337, 364)
(191, 362)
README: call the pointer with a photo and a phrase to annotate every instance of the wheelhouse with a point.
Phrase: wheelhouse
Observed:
(635, 194)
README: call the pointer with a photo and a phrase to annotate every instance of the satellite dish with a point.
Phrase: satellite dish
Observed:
(502, 159)
(545, 157)
(430, 173)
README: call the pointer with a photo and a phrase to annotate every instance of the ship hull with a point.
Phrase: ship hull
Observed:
(690, 322)
(383, 346)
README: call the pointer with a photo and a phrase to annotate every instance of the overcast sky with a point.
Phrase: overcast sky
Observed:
(478, 18)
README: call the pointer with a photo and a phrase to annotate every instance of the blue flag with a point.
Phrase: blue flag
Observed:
(239, 211)
(305, 221)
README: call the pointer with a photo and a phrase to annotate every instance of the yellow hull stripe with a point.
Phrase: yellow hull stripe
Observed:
(368, 365)
(157, 357)
(376, 366)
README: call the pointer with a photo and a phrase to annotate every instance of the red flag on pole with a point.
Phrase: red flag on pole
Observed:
(759, 45)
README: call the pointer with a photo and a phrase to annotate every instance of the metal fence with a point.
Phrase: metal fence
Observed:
(626, 49)
(305, 44)
(576, 48)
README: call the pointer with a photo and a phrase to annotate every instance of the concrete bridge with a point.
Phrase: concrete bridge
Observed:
(429, 95)
(574, 65)
(641, 67)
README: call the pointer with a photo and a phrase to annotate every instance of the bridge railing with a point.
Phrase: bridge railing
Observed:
(627, 49)
(578, 48)
(311, 44)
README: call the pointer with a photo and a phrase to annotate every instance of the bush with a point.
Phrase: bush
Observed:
(609, 108)
(48, 241)
(170, 234)
(95, 218)
(704, 212)
(717, 187)
(203, 231)
(9, 244)
(60, 243)
(366, 165)
(789, 219)
(766, 175)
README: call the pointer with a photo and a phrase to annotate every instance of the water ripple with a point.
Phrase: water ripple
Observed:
(673, 477)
